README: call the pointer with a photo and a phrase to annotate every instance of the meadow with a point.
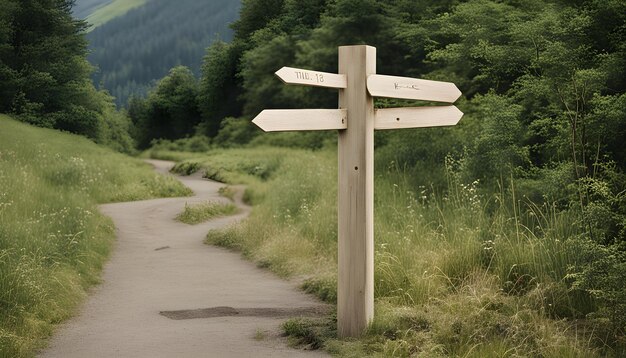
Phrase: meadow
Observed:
(458, 273)
(53, 240)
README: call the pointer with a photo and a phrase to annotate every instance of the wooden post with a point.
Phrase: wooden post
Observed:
(356, 121)
(355, 286)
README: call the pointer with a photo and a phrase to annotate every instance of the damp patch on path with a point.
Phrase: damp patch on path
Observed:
(224, 311)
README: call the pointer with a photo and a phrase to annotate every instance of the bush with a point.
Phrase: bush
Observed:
(195, 144)
(602, 273)
(235, 132)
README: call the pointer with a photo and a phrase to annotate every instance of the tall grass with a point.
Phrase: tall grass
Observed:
(53, 241)
(457, 273)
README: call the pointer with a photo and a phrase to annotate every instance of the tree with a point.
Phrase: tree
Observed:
(44, 73)
(218, 92)
(171, 110)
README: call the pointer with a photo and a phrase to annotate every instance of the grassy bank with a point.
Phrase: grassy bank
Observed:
(198, 213)
(457, 274)
(53, 241)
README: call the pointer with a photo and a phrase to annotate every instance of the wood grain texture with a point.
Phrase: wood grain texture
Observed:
(291, 76)
(417, 117)
(412, 88)
(277, 120)
(355, 286)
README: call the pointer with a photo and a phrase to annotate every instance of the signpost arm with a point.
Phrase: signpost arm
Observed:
(355, 286)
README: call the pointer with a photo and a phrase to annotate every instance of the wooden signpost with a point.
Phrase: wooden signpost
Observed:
(356, 119)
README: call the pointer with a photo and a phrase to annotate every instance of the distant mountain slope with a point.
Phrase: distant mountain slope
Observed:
(84, 8)
(112, 10)
(133, 50)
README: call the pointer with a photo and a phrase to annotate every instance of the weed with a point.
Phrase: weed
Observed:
(260, 334)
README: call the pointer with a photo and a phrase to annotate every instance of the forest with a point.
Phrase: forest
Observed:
(529, 189)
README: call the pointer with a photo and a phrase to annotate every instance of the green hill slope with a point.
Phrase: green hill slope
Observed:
(84, 8)
(136, 49)
(112, 10)
(53, 241)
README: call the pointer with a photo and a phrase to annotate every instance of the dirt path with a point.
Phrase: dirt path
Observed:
(166, 294)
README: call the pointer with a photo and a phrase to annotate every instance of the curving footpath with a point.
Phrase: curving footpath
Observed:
(166, 294)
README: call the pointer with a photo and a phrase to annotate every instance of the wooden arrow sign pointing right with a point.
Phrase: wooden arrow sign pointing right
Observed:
(292, 76)
(412, 88)
(417, 117)
(279, 120)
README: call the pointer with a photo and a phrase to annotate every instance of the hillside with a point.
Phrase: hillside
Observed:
(134, 50)
(99, 12)
(112, 10)
(84, 8)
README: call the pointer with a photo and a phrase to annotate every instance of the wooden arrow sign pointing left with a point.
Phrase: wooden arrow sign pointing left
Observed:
(296, 76)
(279, 120)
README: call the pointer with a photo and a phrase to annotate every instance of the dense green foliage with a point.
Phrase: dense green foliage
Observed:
(53, 240)
(134, 50)
(170, 111)
(44, 74)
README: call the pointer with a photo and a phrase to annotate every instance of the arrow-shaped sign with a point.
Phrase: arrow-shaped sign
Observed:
(278, 120)
(412, 88)
(417, 117)
(296, 76)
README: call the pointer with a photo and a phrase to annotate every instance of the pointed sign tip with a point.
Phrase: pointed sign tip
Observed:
(258, 119)
(458, 93)
(280, 74)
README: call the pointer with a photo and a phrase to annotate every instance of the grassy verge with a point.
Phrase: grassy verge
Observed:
(53, 241)
(197, 213)
(457, 274)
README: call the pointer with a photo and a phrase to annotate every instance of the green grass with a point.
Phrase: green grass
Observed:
(198, 213)
(112, 10)
(457, 274)
(53, 240)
